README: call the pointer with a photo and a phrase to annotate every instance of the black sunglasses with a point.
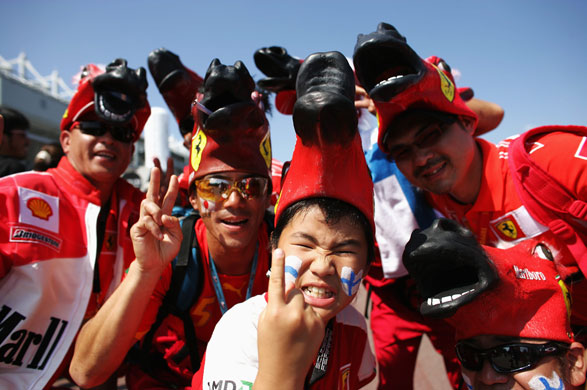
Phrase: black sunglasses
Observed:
(124, 134)
(507, 358)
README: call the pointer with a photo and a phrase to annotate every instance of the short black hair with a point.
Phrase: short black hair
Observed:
(13, 120)
(334, 210)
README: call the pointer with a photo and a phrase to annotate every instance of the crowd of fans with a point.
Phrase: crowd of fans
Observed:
(240, 272)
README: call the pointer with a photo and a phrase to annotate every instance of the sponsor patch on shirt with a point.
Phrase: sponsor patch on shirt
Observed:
(38, 209)
(344, 382)
(29, 234)
(516, 225)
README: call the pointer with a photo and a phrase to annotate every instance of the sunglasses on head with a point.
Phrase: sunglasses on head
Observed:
(124, 134)
(217, 188)
(507, 358)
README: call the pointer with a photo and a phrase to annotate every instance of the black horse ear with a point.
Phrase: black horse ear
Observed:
(325, 107)
(119, 92)
(280, 68)
(449, 266)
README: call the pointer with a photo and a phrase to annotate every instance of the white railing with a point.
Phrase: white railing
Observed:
(21, 69)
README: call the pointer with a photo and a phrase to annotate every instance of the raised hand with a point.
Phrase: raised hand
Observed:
(157, 235)
(289, 333)
(166, 177)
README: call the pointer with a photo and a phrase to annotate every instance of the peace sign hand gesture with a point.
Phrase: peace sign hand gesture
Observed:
(157, 235)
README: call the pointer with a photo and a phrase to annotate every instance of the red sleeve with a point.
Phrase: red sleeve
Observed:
(154, 303)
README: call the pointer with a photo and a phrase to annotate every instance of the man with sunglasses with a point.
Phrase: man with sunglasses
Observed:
(425, 126)
(229, 187)
(510, 308)
(65, 241)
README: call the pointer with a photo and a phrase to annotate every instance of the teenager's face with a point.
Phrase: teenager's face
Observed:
(433, 155)
(547, 374)
(100, 159)
(328, 252)
(232, 223)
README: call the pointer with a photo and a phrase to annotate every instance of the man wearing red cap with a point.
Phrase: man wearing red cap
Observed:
(303, 333)
(510, 308)
(229, 185)
(428, 130)
(64, 233)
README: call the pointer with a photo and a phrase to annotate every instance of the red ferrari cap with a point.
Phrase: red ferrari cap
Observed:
(435, 91)
(530, 299)
(231, 131)
(328, 159)
(116, 95)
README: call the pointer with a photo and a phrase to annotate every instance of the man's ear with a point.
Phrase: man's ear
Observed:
(194, 201)
(65, 139)
(576, 357)
(468, 124)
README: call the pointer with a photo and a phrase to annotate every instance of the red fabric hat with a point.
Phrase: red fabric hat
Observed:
(116, 95)
(397, 78)
(434, 91)
(231, 131)
(530, 300)
(328, 159)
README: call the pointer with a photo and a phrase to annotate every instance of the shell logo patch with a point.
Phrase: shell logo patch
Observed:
(198, 145)
(265, 149)
(39, 208)
(446, 85)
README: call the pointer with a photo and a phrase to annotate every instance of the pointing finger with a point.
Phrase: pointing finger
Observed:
(153, 190)
(276, 289)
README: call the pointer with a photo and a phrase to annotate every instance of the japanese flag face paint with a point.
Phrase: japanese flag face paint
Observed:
(208, 206)
(350, 281)
(540, 382)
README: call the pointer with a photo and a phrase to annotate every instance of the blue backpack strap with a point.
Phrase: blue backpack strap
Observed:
(184, 289)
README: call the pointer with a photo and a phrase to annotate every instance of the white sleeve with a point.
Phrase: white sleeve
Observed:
(232, 359)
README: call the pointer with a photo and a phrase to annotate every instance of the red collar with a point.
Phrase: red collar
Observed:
(72, 181)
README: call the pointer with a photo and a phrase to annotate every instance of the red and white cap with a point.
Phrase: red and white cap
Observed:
(231, 131)
(328, 159)
(117, 96)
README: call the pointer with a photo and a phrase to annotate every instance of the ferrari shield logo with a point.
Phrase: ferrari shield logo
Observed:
(198, 145)
(265, 149)
(507, 228)
(446, 85)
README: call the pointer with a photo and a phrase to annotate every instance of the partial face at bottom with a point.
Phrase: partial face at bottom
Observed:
(546, 372)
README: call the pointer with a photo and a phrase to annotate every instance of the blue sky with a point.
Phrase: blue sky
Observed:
(528, 56)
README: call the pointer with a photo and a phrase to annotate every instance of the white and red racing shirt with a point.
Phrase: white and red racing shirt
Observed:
(48, 247)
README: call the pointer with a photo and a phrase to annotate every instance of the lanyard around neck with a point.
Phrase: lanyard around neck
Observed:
(218, 286)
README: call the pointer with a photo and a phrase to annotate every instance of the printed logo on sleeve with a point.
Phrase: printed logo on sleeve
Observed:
(38, 209)
(582, 150)
(29, 234)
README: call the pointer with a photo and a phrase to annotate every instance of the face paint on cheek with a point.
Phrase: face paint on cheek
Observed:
(350, 281)
(540, 382)
(207, 206)
(467, 381)
(292, 267)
